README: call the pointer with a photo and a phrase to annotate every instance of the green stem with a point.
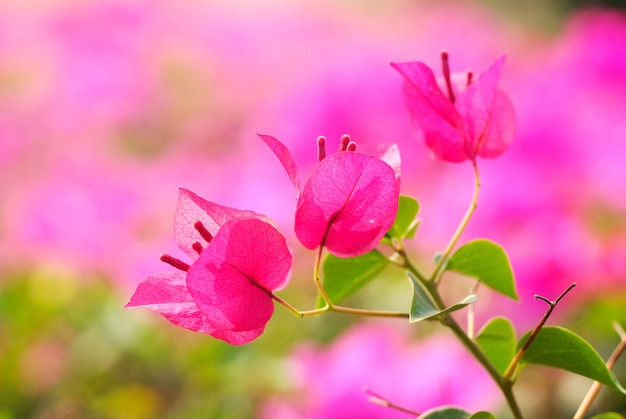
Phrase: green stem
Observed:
(406, 263)
(297, 312)
(338, 309)
(367, 312)
(505, 386)
(316, 277)
(431, 284)
(447, 320)
(457, 234)
(329, 305)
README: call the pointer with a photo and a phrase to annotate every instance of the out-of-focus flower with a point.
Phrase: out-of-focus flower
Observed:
(564, 220)
(240, 259)
(120, 97)
(418, 376)
(474, 119)
(350, 200)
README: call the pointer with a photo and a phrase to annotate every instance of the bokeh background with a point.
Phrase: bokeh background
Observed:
(107, 107)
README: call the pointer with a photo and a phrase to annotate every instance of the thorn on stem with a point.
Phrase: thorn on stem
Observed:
(520, 353)
(555, 302)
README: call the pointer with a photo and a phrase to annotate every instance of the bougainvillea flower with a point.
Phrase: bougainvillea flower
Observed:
(475, 118)
(240, 259)
(350, 200)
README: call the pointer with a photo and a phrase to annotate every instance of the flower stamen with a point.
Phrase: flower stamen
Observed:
(343, 143)
(197, 247)
(446, 75)
(470, 78)
(176, 263)
(204, 233)
(321, 148)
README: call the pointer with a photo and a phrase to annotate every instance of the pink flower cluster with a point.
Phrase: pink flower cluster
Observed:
(240, 258)
(347, 205)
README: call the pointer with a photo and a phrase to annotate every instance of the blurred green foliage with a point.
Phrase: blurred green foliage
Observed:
(69, 350)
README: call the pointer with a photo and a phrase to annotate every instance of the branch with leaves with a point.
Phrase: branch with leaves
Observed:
(351, 214)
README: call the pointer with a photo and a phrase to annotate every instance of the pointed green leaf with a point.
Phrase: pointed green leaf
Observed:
(488, 262)
(497, 341)
(445, 412)
(422, 304)
(423, 307)
(452, 412)
(405, 224)
(608, 415)
(344, 276)
(561, 348)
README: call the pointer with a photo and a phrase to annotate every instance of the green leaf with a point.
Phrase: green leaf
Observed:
(608, 415)
(405, 224)
(483, 415)
(561, 348)
(445, 412)
(423, 307)
(450, 412)
(488, 262)
(497, 341)
(344, 276)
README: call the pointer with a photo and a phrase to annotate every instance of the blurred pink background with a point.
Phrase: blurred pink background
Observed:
(108, 107)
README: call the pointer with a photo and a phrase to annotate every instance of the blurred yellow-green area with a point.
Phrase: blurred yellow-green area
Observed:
(107, 107)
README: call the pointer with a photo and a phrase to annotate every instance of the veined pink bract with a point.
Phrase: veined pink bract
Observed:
(474, 119)
(349, 202)
(240, 259)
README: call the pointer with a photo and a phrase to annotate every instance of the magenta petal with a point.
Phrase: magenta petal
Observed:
(167, 294)
(389, 153)
(226, 297)
(476, 107)
(285, 158)
(192, 208)
(433, 116)
(238, 337)
(258, 250)
(347, 205)
(501, 128)
(232, 279)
